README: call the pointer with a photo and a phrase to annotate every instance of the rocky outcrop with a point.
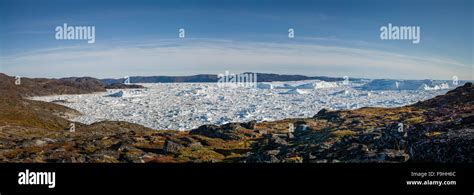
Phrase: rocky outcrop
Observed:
(172, 147)
(229, 131)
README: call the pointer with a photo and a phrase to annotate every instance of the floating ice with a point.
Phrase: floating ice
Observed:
(317, 85)
(116, 94)
(387, 84)
(128, 93)
(436, 87)
(264, 86)
(183, 106)
(295, 91)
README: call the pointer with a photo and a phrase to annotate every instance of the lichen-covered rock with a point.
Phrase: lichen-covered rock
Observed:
(225, 132)
(172, 147)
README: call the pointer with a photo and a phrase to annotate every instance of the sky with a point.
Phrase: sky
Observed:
(332, 38)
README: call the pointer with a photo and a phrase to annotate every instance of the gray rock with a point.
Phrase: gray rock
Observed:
(249, 125)
(225, 132)
(172, 147)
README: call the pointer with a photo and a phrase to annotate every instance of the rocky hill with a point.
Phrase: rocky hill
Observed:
(16, 110)
(437, 130)
(39, 86)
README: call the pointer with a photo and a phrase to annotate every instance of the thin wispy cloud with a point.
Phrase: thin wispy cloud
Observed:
(198, 56)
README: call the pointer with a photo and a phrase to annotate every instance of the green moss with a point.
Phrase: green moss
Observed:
(434, 133)
(342, 133)
(199, 154)
(415, 120)
(296, 159)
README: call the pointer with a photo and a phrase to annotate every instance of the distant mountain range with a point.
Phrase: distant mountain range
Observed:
(261, 77)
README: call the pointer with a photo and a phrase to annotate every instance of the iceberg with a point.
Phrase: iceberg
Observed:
(436, 87)
(344, 92)
(317, 85)
(116, 94)
(124, 94)
(264, 86)
(295, 91)
(388, 84)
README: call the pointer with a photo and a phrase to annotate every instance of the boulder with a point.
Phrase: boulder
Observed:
(225, 132)
(172, 147)
(275, 141)
(249, 125)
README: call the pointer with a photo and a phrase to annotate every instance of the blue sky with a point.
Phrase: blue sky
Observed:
(333, 38)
